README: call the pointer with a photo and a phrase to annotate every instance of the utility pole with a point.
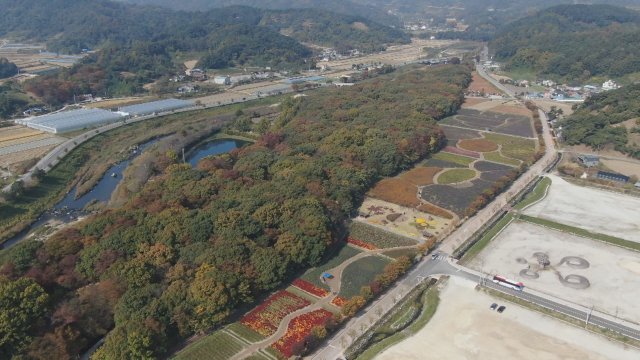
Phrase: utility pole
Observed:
(588, 315)
(183, 161)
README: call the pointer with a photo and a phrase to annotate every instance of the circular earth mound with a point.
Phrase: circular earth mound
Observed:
(478, 145)
(521, 261)
(455, 176)
(529, 274)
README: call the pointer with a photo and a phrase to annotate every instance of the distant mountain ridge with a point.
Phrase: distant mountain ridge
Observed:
(573, 42)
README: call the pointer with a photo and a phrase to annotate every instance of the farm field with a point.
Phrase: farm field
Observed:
(400, 219)
(547, 104)
(456, 133)
(469, 102)
(596, 271)
(515, 110)
(456, 197)
(590, 209)
(479, 145)
(448, 160)
(395, 191)
(114, 103)
(509, 124)
(479, 83)
(378, 237)
(513, 147)
(339, 256)
(456, 176)
(420, 176)
(463, 327)
(497, 157)
(20, 143)
(360, 273)
(622, 167)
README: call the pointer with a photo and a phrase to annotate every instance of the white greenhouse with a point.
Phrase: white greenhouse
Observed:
(156, 106)
(71, 120)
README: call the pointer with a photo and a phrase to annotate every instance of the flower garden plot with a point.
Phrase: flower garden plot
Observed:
(513, 147)
(457, 159)
(455, 198)
(497, 157)
(361, 244)
(458, 151)
(456, 175)
(420, 176)
(339, 256)
(378, 237)
(310, 288)
(360, 273)
(498, 122)
(434, 210)
(515, 110)
(339, 302)
(298, 328)
(455, 133)
(265, 318)
(244, 332)
(478, 145)
(493, 176)
(396, 191)
(442, 163)
(489, 166)
(217, 346)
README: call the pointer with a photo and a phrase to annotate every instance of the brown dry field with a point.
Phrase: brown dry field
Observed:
(479, 84)
(223, 97)
(108, 104)
(608, 150)
(24, 140)
(623, 167)
(435, 210)
(547, 104)
(473, 101)
(421, 176)
(14, 130)
(21, 156)
(629, 124)
(512, 110)
(190, 64)
(478, 145)
(396, 191)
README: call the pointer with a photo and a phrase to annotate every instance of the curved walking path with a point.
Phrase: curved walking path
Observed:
(333, 283)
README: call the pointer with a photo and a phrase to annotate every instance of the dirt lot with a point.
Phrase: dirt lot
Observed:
(438, 224)
(463, 327)
(612, 273)
(547, 104)
(513, 110)
(223, 97)
(469, 102)
(479, 84)
(623, 167)
(591, 209)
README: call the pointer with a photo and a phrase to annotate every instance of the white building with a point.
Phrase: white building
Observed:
(609, 85)
(222, 80)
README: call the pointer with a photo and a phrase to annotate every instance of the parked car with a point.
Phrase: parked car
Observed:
(493, 306)
(501, 309)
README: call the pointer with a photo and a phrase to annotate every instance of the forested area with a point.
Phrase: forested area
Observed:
(573, 42)
(196, 243)
(137, 43)
(7, 68)
(592, 124)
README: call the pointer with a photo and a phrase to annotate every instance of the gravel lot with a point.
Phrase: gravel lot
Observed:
(613, 273)
(591, 209)
(463, 327)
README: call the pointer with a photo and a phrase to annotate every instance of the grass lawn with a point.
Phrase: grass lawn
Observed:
(482, 243)
(245, 332)
(518, 74)
(455, 176)
(537, 194)
(360, 273)
(338, 257)
(303, 294)
(497, 157)
(458, 159)
(581, 232)
(377, 237)
(217, 346)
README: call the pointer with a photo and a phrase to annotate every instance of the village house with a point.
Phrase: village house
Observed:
(589, 160)
(609, 85)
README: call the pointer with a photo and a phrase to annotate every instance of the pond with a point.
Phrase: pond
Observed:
(214, 147)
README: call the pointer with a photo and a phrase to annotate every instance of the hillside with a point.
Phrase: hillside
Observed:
(337, 6)
(573, 42)
(197, 243)
(598, 122)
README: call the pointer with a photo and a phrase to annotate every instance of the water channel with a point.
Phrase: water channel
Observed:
(70, 208)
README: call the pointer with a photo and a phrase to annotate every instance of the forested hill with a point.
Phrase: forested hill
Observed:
(197, 243)
(573, 42)
(598, 121)
(78, 24)
(344, 7)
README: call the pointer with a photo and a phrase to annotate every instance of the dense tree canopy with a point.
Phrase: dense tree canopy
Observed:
(592, 123)
(196, 243)
(573, 42)
(7, 68)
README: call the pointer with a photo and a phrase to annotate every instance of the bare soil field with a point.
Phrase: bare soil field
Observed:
(190, 64)
(509, 124)
(478, 145)
(480, 84)
(463, 327)
(469, 102)
(516, 110)
(421, 176)
(108, 104)
(223, 97)
(590, 209)
(608, 150)
(623, 167)
(547, 104)
(582, 270)
(489, 104)
(21, 156)
(396, 191)
(402, 223)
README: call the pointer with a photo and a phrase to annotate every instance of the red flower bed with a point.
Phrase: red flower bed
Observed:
(338, 301)
(310, 288)
(455, 150)
(361, 244)
(266, 317)
(298, 328)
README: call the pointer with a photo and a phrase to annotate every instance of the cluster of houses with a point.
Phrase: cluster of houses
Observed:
(592, 160)
(565, 92)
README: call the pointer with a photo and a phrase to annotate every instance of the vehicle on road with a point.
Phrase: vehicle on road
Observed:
(493, 306)
(511, 284)
(501, 309)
